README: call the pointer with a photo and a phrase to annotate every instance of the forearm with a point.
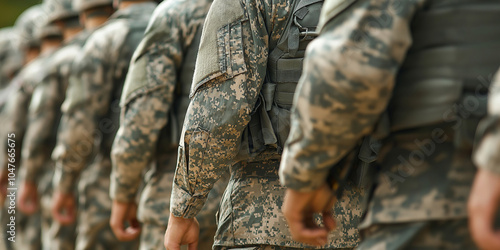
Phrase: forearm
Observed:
(135, 143)
(39, 139)
(16, 119)
(208, 146)
(75, 147)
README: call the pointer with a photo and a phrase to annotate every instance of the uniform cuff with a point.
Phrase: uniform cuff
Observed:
(185, 205)
(121, 192)
(65, 180)
(29, 173)
(296, 177)
(486, 156)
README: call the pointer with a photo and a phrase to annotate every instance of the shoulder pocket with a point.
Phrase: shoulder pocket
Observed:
(221, 53)
(230, 50)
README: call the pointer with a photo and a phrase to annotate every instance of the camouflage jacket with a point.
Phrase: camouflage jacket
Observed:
(157, 62)
(230, 71)
(488, 137)
(90, 111)
(17, 106)
(11, 57)
(45, 108)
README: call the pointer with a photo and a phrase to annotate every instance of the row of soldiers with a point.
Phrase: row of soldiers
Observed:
(139, 124)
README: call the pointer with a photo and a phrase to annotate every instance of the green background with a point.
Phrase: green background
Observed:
(11, 9)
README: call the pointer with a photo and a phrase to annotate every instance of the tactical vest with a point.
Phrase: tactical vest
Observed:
(447, 71)
(137, 26)
(171, 133)
(270, 122)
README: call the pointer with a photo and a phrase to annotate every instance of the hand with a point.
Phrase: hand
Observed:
(63, 208)
(180, 232)
(121, 212)
(28, 198)
(4, 181)
(299, 209)
(483, 205)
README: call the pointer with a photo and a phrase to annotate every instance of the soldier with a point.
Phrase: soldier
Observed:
(29, 45)
(90, 120)
(413, 74)
(247, 67)
(10, 56)
(11, 61)
(44, 114)
(154, 103)
(484, 199)
(28, 236)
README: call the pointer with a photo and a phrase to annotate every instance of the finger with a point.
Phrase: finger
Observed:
(307, 231)
(328, 219)
(316, 237)
(67, 214)
(170, 243)
(130, 233)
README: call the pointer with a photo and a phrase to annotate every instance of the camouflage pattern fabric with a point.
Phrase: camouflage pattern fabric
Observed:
(29, 231)
(348, 80)
(419, 235)
(138, 145)
(230, 71)
(87, 125)
(488, 138)
(43, 121)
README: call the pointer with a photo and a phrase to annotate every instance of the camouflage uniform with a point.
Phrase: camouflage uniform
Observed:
(44, 116)
(17, 111)
(367, 69)
(229, 74)
(152, 98)
(11, 56)
(91, 109)
(11, 62)
(43, 120)
(28, 228)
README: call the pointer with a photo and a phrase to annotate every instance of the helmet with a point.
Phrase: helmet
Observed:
(82, 5)
(27, 24)
(59, 9)
(48, 30)
(11, 56)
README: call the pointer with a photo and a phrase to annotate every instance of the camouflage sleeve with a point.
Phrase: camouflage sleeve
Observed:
(348, 78)
(230, 70)
(16, 122)
(87, 100)
(488, 134)
(147, 98)
(42, 115)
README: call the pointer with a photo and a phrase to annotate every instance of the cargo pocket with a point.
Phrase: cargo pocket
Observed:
(231, 58)
(230, 50)
(197, 143)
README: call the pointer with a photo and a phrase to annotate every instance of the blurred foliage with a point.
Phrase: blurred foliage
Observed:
(11, 9)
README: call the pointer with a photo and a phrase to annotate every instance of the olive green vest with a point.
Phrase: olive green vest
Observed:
(270, 122)
(448, 69)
